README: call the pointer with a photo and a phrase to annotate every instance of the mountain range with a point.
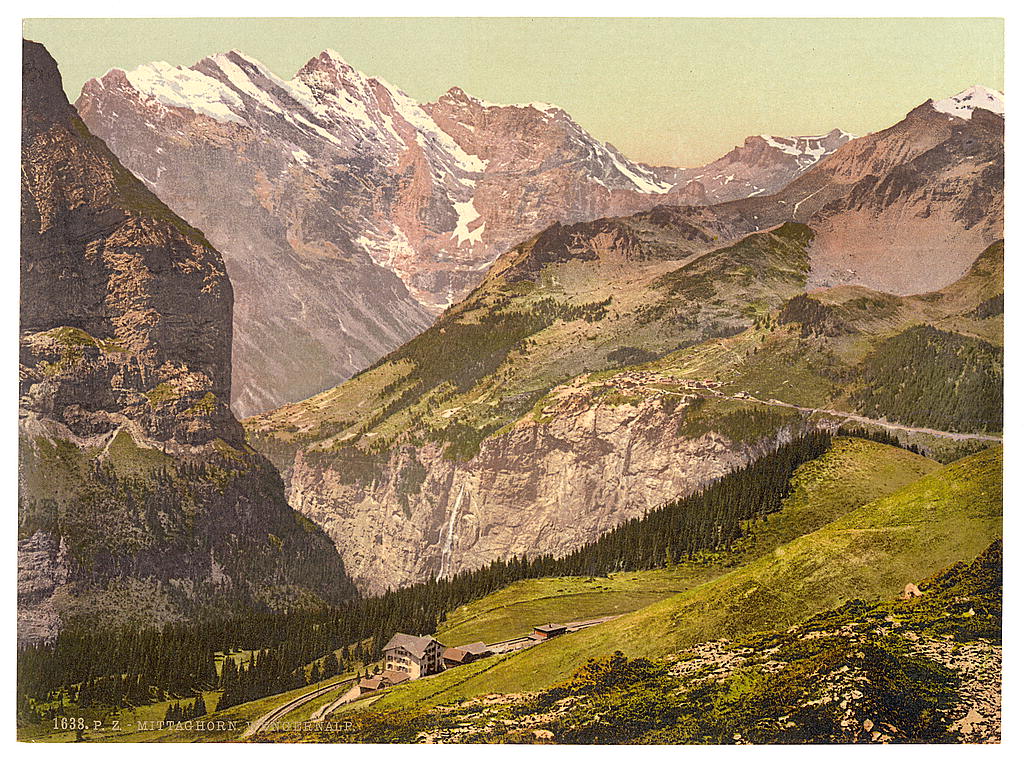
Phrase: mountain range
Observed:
(350, 216)
(595, 368)
(741, 423)
(520, 422)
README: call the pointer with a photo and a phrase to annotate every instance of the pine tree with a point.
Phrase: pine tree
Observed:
(330, 665)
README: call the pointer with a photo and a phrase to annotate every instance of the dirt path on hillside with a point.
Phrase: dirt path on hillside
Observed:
(840, 414)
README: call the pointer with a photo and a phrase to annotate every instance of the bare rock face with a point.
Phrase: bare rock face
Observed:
(349, 216)
(119, 296)
(924, 196)
(139, 498)
(546, 486)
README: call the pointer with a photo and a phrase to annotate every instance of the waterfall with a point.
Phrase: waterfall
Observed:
(446, 550)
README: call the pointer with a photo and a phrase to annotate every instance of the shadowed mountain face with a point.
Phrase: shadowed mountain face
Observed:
(139, 499)
(350, 216)
(517, 423)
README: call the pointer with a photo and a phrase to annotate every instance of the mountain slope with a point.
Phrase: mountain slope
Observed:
(851, 473)
(426, 463)
(870, 553)
(349, 215)
(924, 670)
(487, 435)
(139, 500)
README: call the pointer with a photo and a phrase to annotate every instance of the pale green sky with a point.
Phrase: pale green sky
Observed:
(673, 91)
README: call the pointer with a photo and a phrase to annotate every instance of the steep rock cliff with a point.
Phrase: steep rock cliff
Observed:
(139, 498)
(548, 484)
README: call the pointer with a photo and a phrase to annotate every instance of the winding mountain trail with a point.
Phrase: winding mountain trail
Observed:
(861, 419)
(285, 708)
(839, 414)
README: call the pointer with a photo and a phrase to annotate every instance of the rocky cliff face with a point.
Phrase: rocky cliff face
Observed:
(139, 499)
(548, 484)
(349, 215)
(923, 198)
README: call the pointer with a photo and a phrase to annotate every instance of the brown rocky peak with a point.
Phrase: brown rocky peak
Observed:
(457, 95)
(126, 308)
(330, 64)
(42, 96)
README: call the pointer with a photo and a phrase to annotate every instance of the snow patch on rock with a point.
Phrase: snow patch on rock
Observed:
(964, 103)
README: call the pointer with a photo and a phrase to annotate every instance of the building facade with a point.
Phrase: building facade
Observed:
(412, 655)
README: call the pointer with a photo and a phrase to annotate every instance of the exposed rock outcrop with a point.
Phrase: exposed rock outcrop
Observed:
(546, 485)
(139, 498)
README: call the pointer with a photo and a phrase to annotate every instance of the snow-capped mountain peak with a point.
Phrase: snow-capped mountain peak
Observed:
(964, 103)
(186, 88)
(366, 187)
(808, 150)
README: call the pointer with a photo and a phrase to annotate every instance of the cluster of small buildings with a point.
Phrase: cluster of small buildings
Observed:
(647, 378)
(408, 657)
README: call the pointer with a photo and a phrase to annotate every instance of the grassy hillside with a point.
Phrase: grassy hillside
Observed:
(585, 305)
(851, 473)
(925, 670)
(869, 553)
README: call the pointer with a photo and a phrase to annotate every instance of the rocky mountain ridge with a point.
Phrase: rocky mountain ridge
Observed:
(375, 211)
(139, 500)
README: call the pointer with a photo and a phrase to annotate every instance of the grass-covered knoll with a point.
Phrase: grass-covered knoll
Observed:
(868, 553)
(737, 421)
(489, 359)
(756, 269)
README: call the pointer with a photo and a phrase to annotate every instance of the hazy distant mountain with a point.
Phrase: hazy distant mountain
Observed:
(349, 215)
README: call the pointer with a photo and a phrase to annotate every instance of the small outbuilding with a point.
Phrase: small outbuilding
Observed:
(549, 630)
(381, 681)
(371, 684)
(463, 654)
